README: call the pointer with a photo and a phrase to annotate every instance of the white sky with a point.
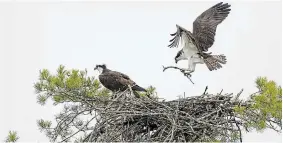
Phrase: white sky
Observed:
(130, 37)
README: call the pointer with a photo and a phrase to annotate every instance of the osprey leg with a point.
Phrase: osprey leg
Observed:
(192, 64)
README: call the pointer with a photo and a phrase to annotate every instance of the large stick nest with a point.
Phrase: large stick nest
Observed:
(200, 118)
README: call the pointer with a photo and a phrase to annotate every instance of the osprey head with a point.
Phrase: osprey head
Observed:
(100, 68)
(180, 56)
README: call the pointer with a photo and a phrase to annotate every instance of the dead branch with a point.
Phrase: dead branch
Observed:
(188, 75)
(205, 90)
(186, 119)
(126, 118)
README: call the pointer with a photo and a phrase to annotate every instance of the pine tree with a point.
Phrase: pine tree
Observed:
(88, 107)
(12, 137)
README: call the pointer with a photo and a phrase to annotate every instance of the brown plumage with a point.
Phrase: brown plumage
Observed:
(116, 81)
(204, 27)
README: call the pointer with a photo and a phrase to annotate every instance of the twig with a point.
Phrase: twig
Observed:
(238, 95)
(239, 130)
(205, 90)
(220, 92)
(130, 119)
(188, 75)
(65, 139)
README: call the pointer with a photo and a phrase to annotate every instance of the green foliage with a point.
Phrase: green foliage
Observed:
(41, 99)
(269, 101)
(67, 85)
(266, 106)
(263, 109)
(235, 136)
(75, 88)
(150, 91)
(43, 124)
(12, 137)
(240, 109)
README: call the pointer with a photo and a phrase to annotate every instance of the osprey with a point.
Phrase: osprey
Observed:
(194, 45)
(116, 81)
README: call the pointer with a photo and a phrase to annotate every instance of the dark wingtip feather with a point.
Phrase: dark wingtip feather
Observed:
(172, 39)
(170, 45)
(175, 39)
(223, 6)
(173, 34)
(216, 5)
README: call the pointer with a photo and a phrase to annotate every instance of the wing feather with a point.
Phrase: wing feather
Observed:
(177, 36)
(120, 74)
(204, 27)
(115, 81)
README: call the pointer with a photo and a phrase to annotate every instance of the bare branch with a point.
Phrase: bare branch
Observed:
(125, 118)
(188, 75)
(205, 90)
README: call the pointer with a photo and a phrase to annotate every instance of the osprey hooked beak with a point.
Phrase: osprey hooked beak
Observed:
(100, 68)
(103, 66)
(97, 67)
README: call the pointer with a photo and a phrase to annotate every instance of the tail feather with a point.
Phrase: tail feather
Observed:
(213, 62)
(138, 88)
(220, 58)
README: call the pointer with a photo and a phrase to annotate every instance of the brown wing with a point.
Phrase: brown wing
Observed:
(114, 81)
(121, 74)
(204, 27)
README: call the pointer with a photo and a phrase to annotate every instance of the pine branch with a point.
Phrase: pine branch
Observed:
(122, 117)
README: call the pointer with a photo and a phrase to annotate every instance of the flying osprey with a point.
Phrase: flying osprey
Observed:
(194, 45)
(116, 81)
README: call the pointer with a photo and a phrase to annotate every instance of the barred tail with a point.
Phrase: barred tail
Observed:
(220, 58)
(213, 62)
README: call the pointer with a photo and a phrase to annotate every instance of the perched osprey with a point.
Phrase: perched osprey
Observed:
(116, 81)
(194, 45)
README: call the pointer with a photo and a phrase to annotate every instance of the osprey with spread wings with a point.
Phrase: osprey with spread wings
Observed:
(194, 45)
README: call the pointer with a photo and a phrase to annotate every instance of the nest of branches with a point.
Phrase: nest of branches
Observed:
(126, 118)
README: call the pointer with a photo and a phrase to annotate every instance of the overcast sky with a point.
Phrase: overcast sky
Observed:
(130, 37)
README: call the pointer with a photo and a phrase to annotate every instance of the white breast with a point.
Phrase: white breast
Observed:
(188, 47)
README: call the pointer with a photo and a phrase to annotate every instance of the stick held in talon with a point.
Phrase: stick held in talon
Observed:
(188, 75)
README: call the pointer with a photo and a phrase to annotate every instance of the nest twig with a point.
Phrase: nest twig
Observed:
(188, 75)
(188, 119)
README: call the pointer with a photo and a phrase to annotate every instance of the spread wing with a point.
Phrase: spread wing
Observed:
(204, 27)
(177, 36)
